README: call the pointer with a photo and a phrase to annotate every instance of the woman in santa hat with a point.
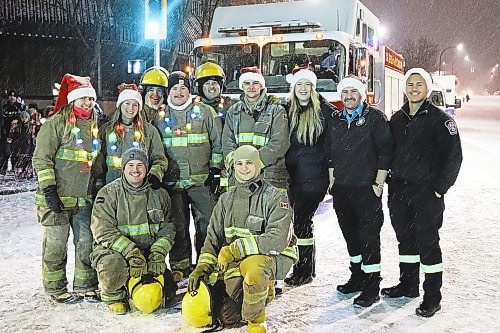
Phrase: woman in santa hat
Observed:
(127, 130)
(306, 164)
(67, 147)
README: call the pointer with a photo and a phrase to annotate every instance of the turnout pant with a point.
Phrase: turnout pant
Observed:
(113, 274)
(56, 228)
(250, 286)
(360, 216)
(304, 205)
(202, 203)
(416, 216)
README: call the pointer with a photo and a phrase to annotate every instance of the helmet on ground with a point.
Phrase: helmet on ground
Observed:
(209, 70)
(146, 292)
(155, 76)
(197, 307)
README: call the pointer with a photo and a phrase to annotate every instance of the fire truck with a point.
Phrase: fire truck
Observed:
(335, 38)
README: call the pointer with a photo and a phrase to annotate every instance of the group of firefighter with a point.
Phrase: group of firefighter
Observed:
(252, 173)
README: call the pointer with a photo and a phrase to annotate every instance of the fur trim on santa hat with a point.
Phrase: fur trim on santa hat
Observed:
(72, 88)
(302, 73)
(425, 75)
(353, 83)
(130, 92)
(251, 74)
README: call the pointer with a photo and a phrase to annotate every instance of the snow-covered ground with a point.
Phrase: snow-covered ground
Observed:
(469, 242)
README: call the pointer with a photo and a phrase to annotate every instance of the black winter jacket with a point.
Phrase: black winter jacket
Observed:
(427, 147)
(359, 150)
(308, 165)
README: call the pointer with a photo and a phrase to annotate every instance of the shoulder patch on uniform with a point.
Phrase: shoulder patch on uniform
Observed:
(284, 205)
(99, 200)
(451, 125)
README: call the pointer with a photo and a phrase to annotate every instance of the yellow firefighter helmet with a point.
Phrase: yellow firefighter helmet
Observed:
(197, 307)
(155, 76)
(209, 69)
(146, 292)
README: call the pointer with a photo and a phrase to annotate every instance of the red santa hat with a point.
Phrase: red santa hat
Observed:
(72, 88)
(299, 73)
(352, 82)
(425, 75)
(251, 74)
(128, 91)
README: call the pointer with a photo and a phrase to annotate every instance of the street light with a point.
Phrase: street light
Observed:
(458, 47)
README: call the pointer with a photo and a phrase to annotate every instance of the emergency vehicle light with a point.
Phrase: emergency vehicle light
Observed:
(260, 32)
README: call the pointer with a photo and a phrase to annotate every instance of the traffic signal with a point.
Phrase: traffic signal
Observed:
(155, 19)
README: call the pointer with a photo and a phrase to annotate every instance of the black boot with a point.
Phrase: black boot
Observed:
(355, 282)
(303, 270)
(409, 282)
(432, 295)
(425, 310)
(371, 289)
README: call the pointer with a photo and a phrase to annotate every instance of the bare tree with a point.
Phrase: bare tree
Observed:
(421, 53)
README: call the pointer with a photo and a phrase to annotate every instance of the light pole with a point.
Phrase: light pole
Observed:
(458, 47)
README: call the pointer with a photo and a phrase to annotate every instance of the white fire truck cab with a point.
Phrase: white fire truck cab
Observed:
(335, 38)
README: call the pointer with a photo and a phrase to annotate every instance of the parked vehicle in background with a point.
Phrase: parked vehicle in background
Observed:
(449, 83)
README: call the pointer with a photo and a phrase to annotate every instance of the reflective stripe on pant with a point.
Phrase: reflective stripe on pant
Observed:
(416, 216)
(360, 216)
(257, 271)
(54, 249)
(202, 203)
(304, 206)
(113, 273)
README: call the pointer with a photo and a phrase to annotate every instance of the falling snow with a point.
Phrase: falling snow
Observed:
(470, 249)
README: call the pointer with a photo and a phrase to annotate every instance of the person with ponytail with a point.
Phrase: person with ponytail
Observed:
(307, 165)
(126, 130)
(63, 160)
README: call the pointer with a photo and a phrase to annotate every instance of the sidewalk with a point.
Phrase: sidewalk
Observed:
(9, 185)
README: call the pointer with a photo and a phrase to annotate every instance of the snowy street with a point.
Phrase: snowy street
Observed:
(471, 256)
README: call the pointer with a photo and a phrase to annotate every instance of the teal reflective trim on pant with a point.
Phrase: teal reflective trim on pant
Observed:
(409, 259)
(356, 259)
(113, 298)
(371, 268)
(305, 241)
(437, 268)
(291, 252)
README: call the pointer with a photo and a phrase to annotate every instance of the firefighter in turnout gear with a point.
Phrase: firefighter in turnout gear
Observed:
(307, 164)
(127, 130)
(210, 80)
(361, 149)
(154, 84)
(132, 225)
(63, 161)
(427, 160)
(258, 119)
(250, 240)
(191, 134)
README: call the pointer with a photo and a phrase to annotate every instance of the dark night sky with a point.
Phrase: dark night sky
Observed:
(476, 24)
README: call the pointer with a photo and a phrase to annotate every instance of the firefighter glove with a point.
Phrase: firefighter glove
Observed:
(154, 181)
(201, 272)
(136, 262)
(225, 258)
(213, 180)
(156, 263)
(52, 199)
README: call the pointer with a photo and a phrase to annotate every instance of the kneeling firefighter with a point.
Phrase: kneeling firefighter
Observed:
(132, 225)
(250, 242)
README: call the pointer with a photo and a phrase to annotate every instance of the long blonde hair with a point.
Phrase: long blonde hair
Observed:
(308, 121)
